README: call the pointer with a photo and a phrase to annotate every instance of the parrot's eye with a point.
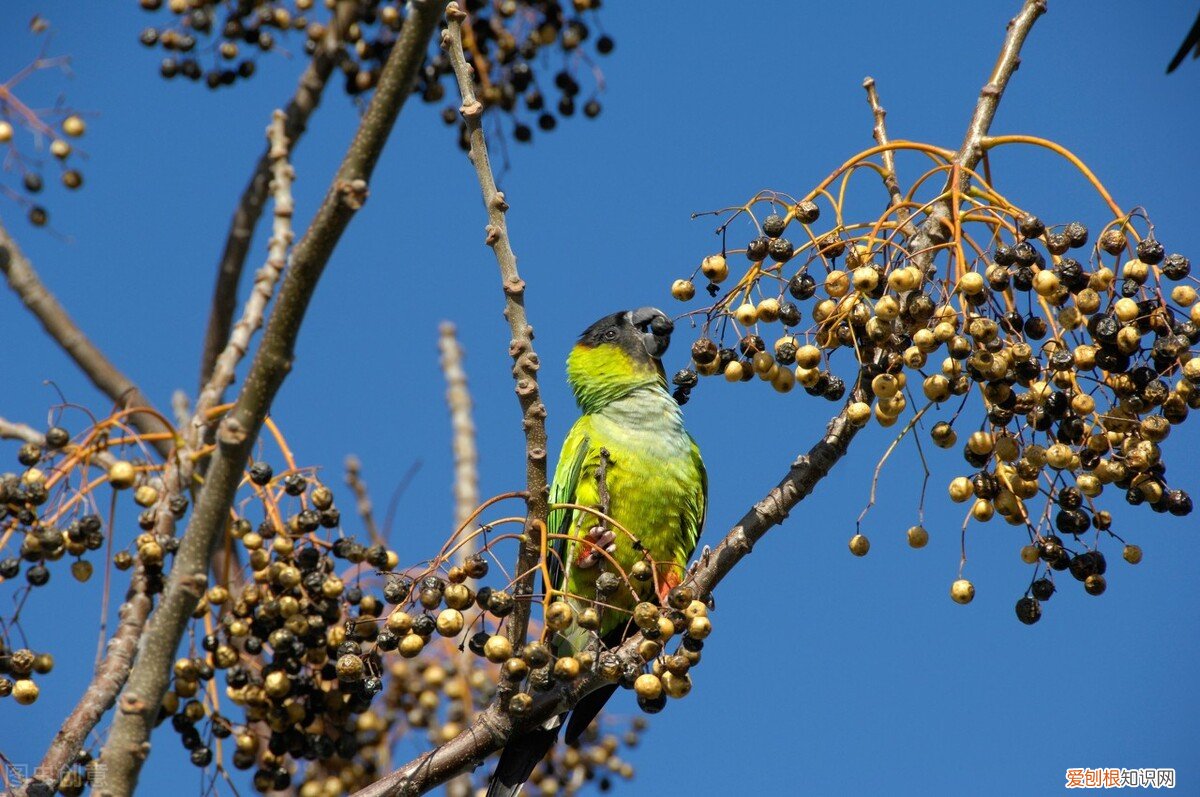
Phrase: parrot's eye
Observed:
(610, 334)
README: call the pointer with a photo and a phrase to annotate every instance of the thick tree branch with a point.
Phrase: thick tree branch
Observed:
(128, 742)
(254, 196)
(19, 431)
(26, 284)
(113, 672)
(525, 359)
(100, 695)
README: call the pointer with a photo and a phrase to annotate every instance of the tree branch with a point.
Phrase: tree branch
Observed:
(362, 499)
(492, 728)
(10, 430)
(525, 359)
(466, 457)
(113, 672)
(254, 196)
(128, 742)
(238, 342)
(26, 284)
(100, 694)
(890, 180)
(935, 230)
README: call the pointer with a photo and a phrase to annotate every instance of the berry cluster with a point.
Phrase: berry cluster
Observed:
(217, 42)
(329, 653)
(1079, 354)
(27, 132)
(17, 668)
(48, 533)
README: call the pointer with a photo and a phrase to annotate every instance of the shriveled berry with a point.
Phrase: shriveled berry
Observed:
(1029, 611)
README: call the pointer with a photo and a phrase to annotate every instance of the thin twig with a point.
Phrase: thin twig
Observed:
(33, 293)
(935, 230)
(181, 409)
(25, 433)
(264, 284)
(127, 745)
(19, 431)
(890, 180)
(254, 196)
(525, 359)
(362, 498)
(466, 457)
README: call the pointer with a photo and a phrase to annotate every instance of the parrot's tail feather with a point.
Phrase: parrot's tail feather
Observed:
(519, 757)
(585, 711)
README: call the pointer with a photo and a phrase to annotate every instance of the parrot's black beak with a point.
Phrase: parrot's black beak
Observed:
(656, 329)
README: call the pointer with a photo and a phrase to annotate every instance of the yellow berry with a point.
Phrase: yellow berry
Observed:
(746, 314)
(715, 268)
(449, 622)
(497, 648)
(559, 615)
(25, 691)
(859, 545)
(73, 126)
(962, 591)
(648, 686)
(918, 537)
(411, 645)
(683, 290)
(121, 475)
(859, 413)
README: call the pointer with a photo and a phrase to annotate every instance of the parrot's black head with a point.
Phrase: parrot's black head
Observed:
(644, 332)
(619, 353)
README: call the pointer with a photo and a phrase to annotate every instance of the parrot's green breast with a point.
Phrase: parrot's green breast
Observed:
(656, 491)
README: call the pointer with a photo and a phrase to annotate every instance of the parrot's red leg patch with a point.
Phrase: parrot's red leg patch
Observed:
(670, 580)
(591, 544)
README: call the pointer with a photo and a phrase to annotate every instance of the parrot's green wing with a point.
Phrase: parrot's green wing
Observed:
(566, 480)
(701, 512)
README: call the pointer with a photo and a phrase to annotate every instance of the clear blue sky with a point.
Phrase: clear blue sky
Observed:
(826, 674)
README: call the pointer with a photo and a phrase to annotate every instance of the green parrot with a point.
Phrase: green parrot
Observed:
(656, 491)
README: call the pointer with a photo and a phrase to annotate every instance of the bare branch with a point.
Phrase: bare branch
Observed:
(890, 180)
(935, 230)
(466, 457)
(113, 672)
(26, 284)
(254, 196)
(25, 433)
(525, 359)
(362, 498)
(19, 431)
(128, 741)
(264, 283)
(101, 692)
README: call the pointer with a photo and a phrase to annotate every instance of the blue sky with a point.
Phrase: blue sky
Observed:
(826, 674)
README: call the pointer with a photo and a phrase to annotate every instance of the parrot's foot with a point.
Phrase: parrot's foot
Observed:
(596, 540)
(694, 567)
(701, 561)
